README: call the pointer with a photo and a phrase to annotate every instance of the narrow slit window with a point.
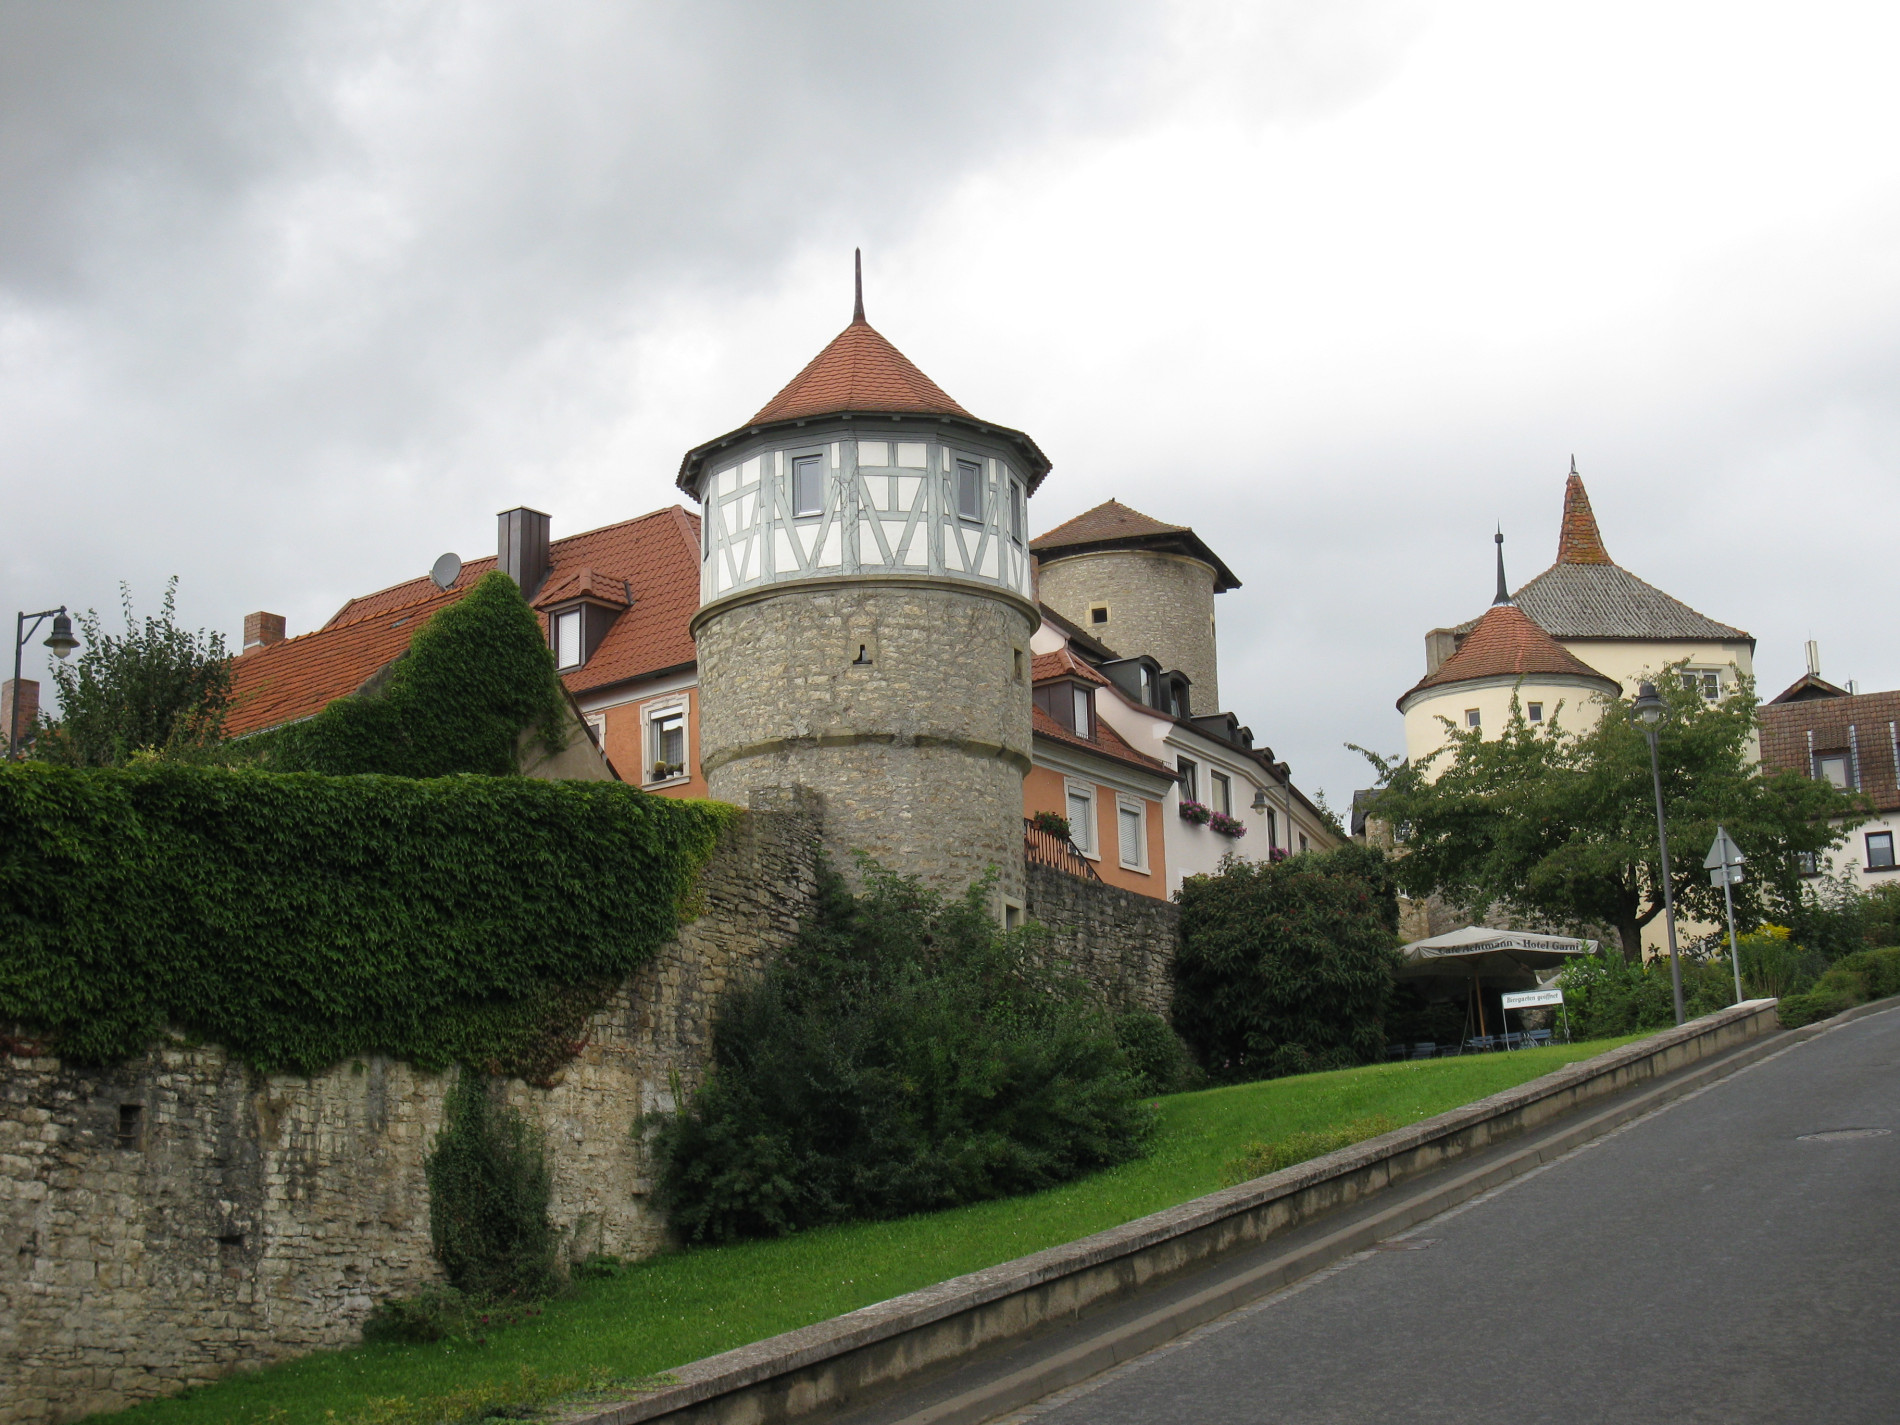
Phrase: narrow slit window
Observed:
(131, 1124)
(969, 490)
(808, 486)
(1016, 519)
(1082, 711)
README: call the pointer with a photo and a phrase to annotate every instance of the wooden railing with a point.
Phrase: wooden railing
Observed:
(1044, 848)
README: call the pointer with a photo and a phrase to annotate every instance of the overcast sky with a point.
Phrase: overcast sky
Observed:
(295, 297)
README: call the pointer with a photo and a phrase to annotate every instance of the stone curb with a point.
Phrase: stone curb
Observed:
(831, 1363)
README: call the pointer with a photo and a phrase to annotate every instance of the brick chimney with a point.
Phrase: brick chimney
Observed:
(26, 695)
(261, 630)
(523, 548)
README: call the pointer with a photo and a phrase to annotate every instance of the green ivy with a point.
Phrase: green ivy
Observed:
(300, 919)
(476, 675)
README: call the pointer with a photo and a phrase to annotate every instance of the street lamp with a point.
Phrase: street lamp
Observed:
(61, 641)
(1648, 711)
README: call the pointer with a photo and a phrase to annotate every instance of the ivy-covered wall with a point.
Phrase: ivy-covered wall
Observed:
(298, 919)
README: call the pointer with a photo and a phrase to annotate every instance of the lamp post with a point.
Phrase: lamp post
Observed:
(61, 641)
(1648, 711)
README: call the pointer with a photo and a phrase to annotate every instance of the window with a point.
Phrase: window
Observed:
(969, 490)
(1273, 829)
(1472, 718)
(1880, 850)
(1190, 778)
(808, 485)
(1098, 613)
(1222, 789)
(597, 728)
(668, 739)
(567, 639)
(1082, 819)
(1147, 686)
(1016, 520)
(1019, 665)
(1130, 819)
(1303, 841)
(1833, 767)
(1083, 711)
(1535, 712)
(1707, 680)
(1807, 863)
(131, 1124)
(1177, 698)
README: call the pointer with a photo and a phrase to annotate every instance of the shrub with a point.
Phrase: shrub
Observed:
(1852, 980)
(1287, 967)
(299, 919)
(1774, 966)
(475, 677)
(1156, 1056)
(444, 1313)
(1606, 995)
(488, 1199)
(1259, 1159)
(1051, 824)
(902, 1055)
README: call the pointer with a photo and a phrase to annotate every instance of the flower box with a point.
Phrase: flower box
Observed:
(1196, 812)
(1226, 825)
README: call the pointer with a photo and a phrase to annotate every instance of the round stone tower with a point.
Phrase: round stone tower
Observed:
(866, 605)
(1142, 587)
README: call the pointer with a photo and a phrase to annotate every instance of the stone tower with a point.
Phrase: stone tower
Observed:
(1140, 586)
(866, 605)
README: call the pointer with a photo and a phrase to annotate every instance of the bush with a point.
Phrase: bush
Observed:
(903, 1055)
(488, 1199)
(1606, 996)
(475, 677)
(1156, 1056)
(1774, 966)
(1854, 979)
(1287, 967)
(299, 920)
(1259, 1159)
(1051, 823)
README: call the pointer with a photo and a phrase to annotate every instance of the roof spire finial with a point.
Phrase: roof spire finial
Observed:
(857, 262)
(1573, 465)
(1504, 591)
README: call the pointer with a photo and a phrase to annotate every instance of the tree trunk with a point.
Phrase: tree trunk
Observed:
(1630, 932)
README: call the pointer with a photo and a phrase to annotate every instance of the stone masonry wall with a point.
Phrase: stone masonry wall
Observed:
(905, 704)
(1158, 604)
(1122, 942)
(179, 1216)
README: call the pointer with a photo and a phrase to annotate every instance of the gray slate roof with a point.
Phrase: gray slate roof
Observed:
(1607, 601)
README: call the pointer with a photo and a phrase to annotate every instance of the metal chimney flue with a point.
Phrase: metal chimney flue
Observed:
(1814, 659)
(523, 548)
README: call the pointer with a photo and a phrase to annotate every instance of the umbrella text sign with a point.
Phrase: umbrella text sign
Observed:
(1531, 999)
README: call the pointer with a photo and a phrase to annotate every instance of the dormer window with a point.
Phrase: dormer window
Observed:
(1069, 703)
(567, 639)
(1084, 710)
(969, 490)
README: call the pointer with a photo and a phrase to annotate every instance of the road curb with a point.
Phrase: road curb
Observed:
(850, 1359)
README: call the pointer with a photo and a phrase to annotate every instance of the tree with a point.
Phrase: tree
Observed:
(1562, 825)
(157, 688)
(1287, 966)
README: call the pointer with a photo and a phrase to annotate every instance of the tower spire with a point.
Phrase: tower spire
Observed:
(1504, 590)
(857, 263)
(1580, 542)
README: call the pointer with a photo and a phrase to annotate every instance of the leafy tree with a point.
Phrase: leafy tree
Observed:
(488, 1197)
(1562, 825)
(156, 688)
(1287, 966)
(902, 1055)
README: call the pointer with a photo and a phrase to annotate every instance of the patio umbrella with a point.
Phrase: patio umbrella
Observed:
(1479, 956)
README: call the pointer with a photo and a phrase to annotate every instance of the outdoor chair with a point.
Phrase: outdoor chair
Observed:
(1513, 1041)
(1538, 1038)
(1425, 1050)
(1397, 1051)
(1482, 1043)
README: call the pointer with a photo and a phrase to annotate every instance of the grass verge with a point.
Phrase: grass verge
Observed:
(672, 1309)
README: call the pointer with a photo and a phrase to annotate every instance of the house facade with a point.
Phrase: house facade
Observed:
(1852, 740)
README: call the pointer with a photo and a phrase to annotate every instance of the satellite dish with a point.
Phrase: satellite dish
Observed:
(446, 571)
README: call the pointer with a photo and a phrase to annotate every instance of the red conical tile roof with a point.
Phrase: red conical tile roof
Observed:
(1506, 643)
(859, 371)
(1580, 541)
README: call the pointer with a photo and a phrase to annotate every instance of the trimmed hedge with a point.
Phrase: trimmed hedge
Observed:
(300, 919)
(1851, 980)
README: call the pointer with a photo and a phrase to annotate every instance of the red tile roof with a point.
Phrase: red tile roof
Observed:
(858, 371)
(1505, 643)
(1580, 541)
(656, 555)
(1113, 525)
(1864, 725)
(585, 583)
(1063, 664)
(1106, 743)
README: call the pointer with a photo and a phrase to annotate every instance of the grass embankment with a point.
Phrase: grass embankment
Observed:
(669, 1310)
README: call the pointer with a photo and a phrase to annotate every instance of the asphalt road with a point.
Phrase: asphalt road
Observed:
(1704, 1263)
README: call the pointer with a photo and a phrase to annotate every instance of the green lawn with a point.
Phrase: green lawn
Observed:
(672, 1309)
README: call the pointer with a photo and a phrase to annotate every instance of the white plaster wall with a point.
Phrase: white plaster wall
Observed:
(1632, 661)
(1574, 705)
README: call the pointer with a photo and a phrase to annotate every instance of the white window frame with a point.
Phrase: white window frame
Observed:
(651, 716)
(1474, 718)
(800, 511)
(1082, 830)
(1534, 712)
(564, 621)
(597, 724)
(1220, 788)
(1190, 771)
(1126, 805)
(1698, 678)
(959, 465)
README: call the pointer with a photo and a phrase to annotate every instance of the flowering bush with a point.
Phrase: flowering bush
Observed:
(1277, 855)
(1196, 812)
(1227, 825)
(1051, 824)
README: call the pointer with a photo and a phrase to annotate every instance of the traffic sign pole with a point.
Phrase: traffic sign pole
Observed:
(1724, 865)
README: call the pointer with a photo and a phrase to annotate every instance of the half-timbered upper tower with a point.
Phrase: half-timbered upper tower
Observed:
(865, 611)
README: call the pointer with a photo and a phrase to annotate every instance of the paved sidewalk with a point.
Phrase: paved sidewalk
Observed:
(1705, 1263)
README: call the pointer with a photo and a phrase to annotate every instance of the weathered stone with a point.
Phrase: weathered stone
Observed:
(1122, 943)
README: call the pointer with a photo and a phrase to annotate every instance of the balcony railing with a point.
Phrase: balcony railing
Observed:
(1043, 848)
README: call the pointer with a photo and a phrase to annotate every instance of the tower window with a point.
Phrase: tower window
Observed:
(969, 490)
(1535, 712)
(1016, 520)
(567, 639)
(808, 486)
(1098, 613)
(1472, 717)
(1019, 665)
